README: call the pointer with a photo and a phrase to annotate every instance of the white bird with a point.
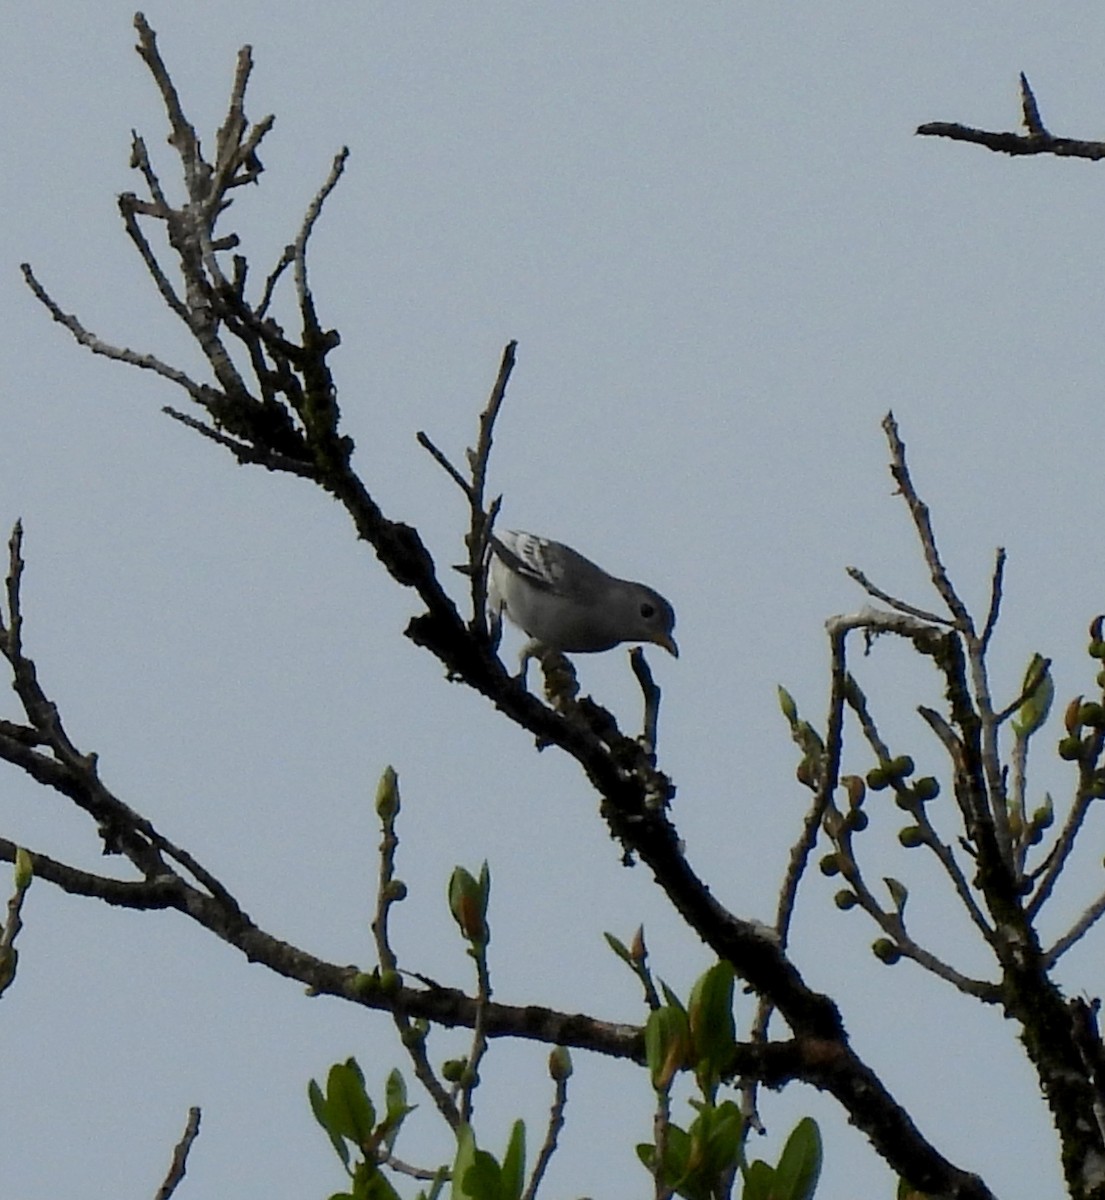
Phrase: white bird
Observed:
(567, 603)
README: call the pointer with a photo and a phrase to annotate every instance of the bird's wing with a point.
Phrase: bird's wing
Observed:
(550, 566)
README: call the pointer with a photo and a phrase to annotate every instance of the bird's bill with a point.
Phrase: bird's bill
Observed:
(668, 642)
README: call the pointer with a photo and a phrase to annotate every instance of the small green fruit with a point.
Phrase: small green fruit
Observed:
(877, 779)
(1070, 747)
(911, 837)
(829, 865)
(366, 983)
(844, 899)
(901, 767)
(452, 1070)
(926, 788)
(885, 950)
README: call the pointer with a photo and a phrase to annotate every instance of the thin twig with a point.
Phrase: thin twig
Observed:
(1030, 110)
(387, 894)
(552, 1133)
(651, 692)
(405, 1168)
(1056, 860)
(858, 703)
(243, 451)
(481, 520)
(285, 261)
(923, 524)
(314, 211)
(995, 600)
(1078, 930)
(900, 605)
(179, 1164)
(443, 462)
(147, 362)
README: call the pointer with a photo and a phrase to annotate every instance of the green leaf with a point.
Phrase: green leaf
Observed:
(759, 1179)
(723, 1132)
(800, 1163)
(395, 1097)
(483, 1180)
(667, 1044)
(677, 1152)
(347, 1103)
(377, 1187)
(620, 949)
(671, 997)
(713, 1033)
(323, 1117)
(786, 703)
(1034, 710)
(476, 1174)
(466, 1156)
(514, 1163)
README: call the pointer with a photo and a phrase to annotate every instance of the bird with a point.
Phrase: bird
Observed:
(568, 604)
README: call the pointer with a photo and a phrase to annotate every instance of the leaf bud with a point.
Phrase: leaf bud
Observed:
(560, 1064)
(387, 795)
(24, 869)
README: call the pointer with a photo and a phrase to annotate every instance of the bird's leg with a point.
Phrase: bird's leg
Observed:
(532, 649)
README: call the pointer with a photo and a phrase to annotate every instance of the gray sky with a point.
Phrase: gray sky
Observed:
(724, 256)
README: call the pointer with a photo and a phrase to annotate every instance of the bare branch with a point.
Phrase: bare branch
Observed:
(314, 211)
(147, 362)
(1036, 141)
(443, 462)
(552, 1132)
(388, 893)
(243, 451)
(899, 605)
(651, 692)
(1077, 931)
(179, 1165)
(923, 523)
(995, 600)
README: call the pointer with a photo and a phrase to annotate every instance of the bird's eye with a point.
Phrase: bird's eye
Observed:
(648, 611)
